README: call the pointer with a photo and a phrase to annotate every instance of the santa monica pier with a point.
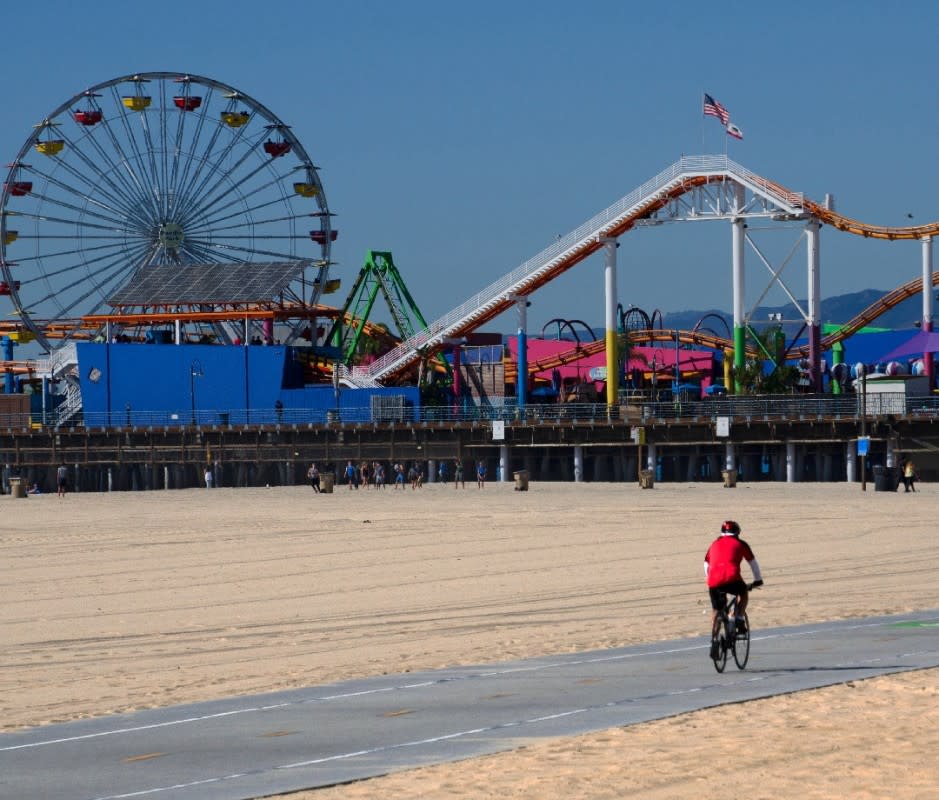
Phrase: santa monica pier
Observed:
(165, 244)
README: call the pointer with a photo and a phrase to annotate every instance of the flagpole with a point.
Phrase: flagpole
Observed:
(703, 151)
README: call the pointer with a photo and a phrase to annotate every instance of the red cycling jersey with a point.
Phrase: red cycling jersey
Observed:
(723, 559)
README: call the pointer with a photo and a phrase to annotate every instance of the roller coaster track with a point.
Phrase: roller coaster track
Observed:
(701, 339)
(680, 178)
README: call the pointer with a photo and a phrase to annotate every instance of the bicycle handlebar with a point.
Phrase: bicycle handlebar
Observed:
(754, 585)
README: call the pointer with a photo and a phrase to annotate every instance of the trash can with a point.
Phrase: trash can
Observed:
(730, 478)
(885, 480)
(327, 481)
(646, 479)
(521, 480)
(17, 489)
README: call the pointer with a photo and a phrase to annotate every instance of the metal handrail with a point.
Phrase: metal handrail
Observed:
(634, 410)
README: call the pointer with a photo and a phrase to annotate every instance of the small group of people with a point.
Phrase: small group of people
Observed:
(366, 475)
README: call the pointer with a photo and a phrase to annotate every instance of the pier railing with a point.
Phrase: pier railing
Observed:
(636, 409)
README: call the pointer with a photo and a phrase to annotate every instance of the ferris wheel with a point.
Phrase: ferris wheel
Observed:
(154, 169)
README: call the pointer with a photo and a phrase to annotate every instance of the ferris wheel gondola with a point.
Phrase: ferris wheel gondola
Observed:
(155, 168)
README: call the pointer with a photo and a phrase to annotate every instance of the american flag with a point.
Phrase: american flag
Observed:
(714, 109)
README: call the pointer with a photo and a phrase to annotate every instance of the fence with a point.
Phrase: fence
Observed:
(636, 408)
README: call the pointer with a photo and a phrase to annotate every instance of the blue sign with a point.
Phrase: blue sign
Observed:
(863, 445)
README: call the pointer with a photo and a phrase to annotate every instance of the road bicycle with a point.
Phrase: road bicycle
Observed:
(727, 636)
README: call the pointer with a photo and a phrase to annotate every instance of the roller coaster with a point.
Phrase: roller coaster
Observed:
(711, 183)
(691, 186)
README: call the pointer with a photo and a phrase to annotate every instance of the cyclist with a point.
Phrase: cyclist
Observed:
(722, 569)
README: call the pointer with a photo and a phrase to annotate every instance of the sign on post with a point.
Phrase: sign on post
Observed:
(863, 445)
(723, 426)
(498, 430)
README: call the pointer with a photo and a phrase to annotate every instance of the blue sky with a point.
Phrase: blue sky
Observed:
(465, 137)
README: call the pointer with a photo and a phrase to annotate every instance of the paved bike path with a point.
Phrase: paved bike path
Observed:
(254, 746)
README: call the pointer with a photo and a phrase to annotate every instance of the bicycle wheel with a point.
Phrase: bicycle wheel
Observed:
(718, 645)
(742, 644)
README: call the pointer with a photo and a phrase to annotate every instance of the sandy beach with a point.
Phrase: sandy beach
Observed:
(115, 602)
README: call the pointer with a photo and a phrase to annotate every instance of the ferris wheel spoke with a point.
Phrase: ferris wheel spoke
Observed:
(124, 174)
(99, 289)
(251, 251)
(240, 202)
(104, 213)
(144, 172)
(120, 202)
(77, 275)
(132, 161)
(211, 223)
(72, 221)
(260, 223)
(206, 191)
(178, 178)
(192, 183)
(66, 253)
(213, 168)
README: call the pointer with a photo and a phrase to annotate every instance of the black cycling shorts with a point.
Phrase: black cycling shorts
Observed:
(736, 587)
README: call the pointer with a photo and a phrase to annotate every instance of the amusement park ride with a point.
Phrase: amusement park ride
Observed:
(170, 203)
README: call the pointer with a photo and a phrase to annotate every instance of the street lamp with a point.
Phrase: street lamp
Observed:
(862, 374)
(195, 371)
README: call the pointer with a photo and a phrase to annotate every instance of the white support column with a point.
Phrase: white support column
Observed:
(578, 463)
(814, 304)
(738, 229)
(850, 460)
(650, 458)
(891, 454)
(178, 331)
(928, 296)
(432, 470)
(730, 456)
(609, 294)
(790, 462)
(166, 477)
(927, 323)
(503, 462)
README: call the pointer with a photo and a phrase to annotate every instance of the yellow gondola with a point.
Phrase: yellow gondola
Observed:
(305, 189)
(235, 119)
(332, 285)
(137, 102)
(50, 147)
(10, 236)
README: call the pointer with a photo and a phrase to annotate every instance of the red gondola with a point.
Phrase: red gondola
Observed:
(188, 103)
(5, 288)
(19, 188)
(276, 149)
(320, 236)
(89, 117)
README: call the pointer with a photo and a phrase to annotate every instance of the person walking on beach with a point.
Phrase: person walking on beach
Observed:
(313, 476)
(458, 474)
(909, 476)
(209, 477)
(61, 479)
(350, 475)
(481, 475)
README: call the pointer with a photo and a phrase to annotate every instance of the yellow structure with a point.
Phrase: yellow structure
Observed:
(137, 102)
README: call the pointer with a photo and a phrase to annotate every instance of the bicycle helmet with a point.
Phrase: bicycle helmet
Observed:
(730, 528)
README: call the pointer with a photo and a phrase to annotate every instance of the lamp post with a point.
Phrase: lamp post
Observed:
(862, 374)
(195, 371)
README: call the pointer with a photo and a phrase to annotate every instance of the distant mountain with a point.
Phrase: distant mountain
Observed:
(836, 310)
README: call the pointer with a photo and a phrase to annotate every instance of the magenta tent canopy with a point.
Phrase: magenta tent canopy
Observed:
(922, 342)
